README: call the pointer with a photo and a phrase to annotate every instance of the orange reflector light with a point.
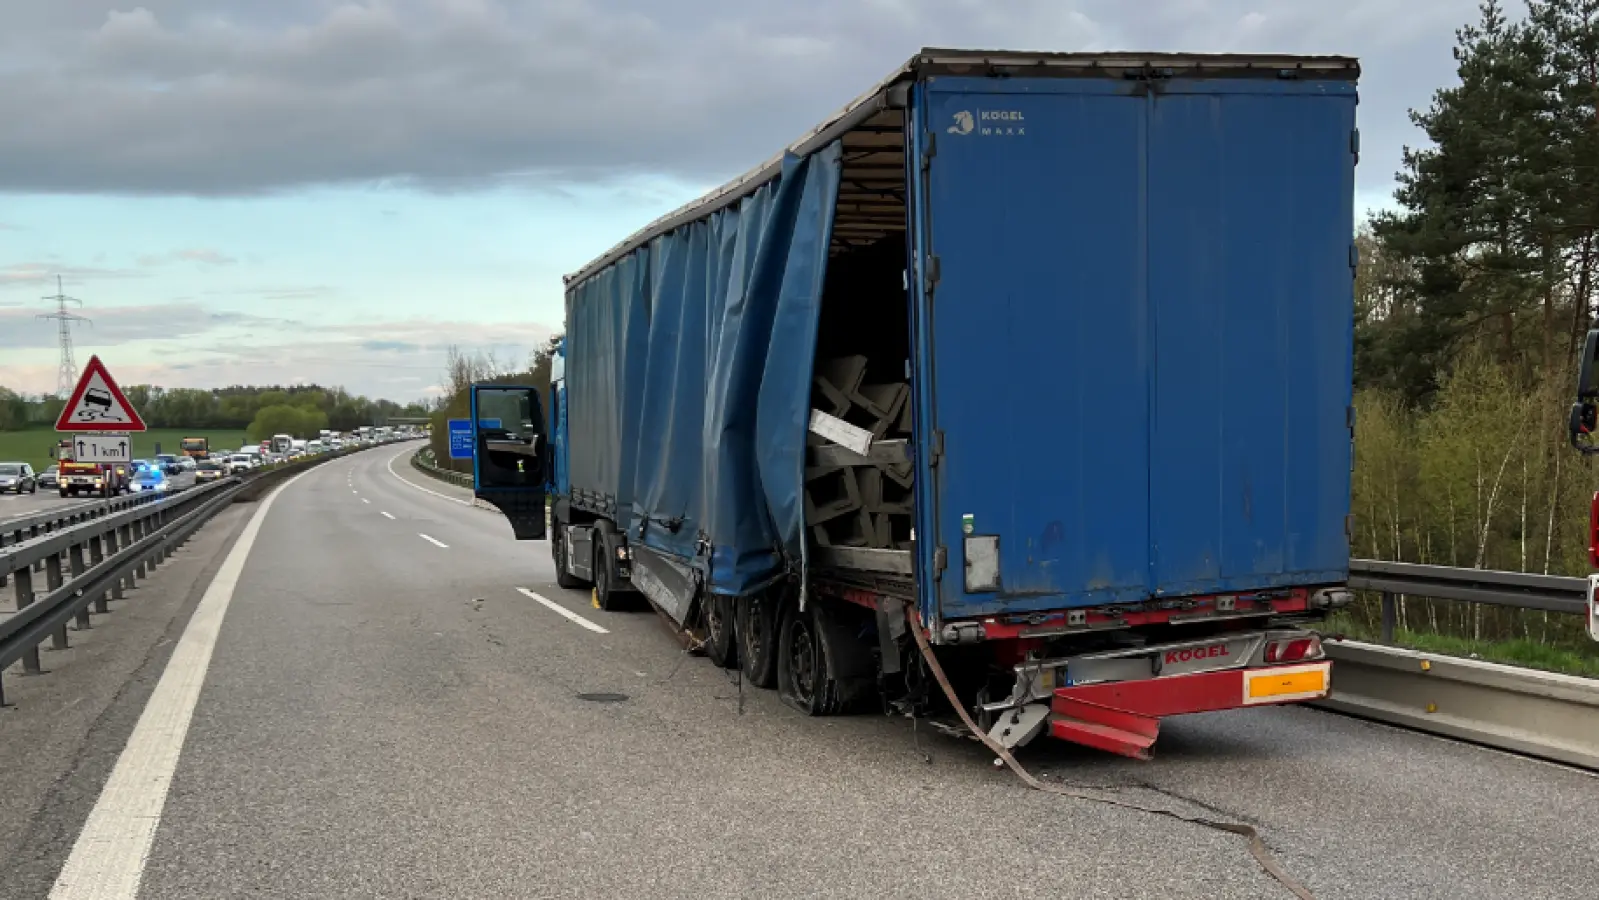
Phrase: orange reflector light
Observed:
(1271, 684)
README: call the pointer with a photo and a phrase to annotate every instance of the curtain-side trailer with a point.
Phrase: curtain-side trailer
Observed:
(1035, 364)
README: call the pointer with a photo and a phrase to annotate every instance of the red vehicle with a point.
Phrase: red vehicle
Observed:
(74, 478)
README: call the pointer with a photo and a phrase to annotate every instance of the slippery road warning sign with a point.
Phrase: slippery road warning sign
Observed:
(97, 404)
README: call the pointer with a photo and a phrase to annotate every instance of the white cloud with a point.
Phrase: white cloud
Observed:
(203, 255)
(230, 97)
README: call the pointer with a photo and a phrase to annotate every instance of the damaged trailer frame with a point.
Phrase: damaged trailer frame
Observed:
(1047, 356)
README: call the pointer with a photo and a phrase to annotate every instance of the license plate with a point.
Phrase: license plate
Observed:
(1286, 683)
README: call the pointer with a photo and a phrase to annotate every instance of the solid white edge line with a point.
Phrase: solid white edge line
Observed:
(563, 611)
(432, 540)
(419, 487)
(388, 515)
(110, 853)
(364, 500)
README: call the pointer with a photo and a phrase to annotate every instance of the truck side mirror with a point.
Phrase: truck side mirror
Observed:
(510, 455)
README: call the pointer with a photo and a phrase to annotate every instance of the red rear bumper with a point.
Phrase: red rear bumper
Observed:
(1124, 716)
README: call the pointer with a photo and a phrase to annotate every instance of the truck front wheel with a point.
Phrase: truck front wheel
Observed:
(606, 597)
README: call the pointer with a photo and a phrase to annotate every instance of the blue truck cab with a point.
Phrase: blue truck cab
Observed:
(1032, 366)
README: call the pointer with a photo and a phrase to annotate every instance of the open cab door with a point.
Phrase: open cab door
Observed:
(1585, 412)
(511, 455)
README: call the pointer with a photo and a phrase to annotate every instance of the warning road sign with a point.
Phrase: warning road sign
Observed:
(97, 404)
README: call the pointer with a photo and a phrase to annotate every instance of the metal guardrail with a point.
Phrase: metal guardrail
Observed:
(21, 528)
(1521, 590)
(26, 528)
(1542, 714)
(101, 558)
(459, 479)
(90, 562)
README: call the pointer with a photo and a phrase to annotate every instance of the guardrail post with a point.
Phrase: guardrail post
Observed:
(1390, 615)
(24, 587)
(139, 571)
(52, 583)
(124, 539)
(75, 558)
(96, 557)
(112, 547)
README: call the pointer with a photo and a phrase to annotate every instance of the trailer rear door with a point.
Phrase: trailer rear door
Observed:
(1134, 325)
(1036, 341)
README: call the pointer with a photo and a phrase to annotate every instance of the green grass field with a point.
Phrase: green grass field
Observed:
(34, 446)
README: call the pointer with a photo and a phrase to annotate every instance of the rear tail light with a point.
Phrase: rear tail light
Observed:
(1293, 650)
(1593, 532)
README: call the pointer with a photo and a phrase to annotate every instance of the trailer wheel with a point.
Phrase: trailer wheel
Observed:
(804, 669)
(560, 553)
(721, 643)
(755, 627)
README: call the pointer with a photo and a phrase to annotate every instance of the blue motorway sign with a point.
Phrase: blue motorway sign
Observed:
(488, 423)
(460, 438)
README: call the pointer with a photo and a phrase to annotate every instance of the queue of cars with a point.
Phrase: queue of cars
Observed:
(157, 474)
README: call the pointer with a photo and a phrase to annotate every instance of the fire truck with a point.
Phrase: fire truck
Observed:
(104, 479)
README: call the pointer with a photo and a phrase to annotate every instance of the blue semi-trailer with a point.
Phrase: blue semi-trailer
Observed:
(1032, 370)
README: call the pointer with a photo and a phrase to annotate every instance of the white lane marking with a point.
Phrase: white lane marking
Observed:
(109, 856)
(432, 540)
(364, 500)
(418, 486)
(387, 516)
(563, 611)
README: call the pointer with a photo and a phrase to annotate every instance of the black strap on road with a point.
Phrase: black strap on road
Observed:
(1257, 846)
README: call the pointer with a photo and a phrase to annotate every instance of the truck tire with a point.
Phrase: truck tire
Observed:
(802, 663)
(560, 552)
(606, 597)
(755, 626)
(721, 634)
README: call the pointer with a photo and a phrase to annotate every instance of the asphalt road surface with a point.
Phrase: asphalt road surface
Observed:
(387, 701)
(16, 506)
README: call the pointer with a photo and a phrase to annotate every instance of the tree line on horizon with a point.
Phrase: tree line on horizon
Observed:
(1472, 299)
(309, 407)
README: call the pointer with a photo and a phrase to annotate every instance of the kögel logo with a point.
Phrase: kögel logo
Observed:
(1214, 651)
(989, 123)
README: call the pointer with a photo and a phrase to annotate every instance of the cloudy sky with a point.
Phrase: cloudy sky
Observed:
(249, 191)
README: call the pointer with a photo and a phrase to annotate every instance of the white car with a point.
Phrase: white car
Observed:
(239, 462)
